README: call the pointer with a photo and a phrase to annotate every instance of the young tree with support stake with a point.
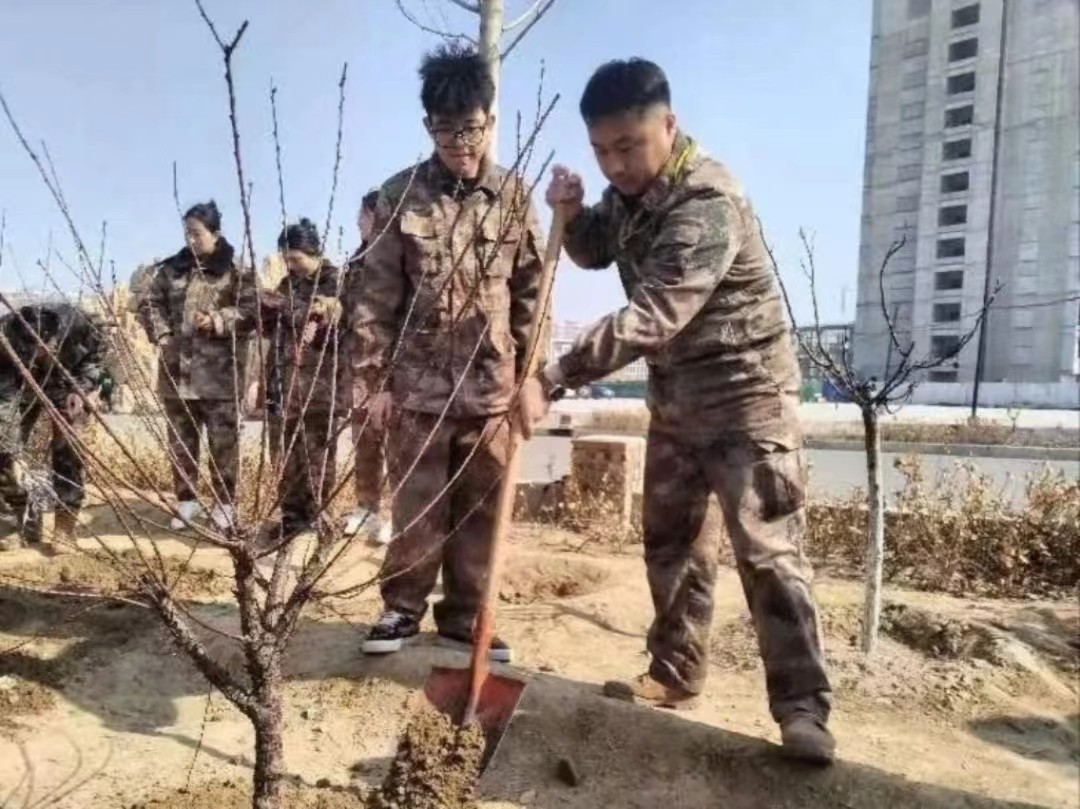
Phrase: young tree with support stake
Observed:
(904, 372)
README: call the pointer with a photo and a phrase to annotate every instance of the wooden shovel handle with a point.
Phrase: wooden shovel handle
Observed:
(484, 628)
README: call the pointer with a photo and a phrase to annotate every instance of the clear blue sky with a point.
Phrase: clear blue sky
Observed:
(119, 89)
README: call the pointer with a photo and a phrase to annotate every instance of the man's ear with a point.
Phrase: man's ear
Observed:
(427, 124)
(671, 124)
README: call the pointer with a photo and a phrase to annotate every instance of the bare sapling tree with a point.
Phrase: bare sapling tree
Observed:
(275, 578)
(496, 39)
(905, 370)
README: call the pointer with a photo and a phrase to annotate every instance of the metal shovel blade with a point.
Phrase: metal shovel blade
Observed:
(447, 689)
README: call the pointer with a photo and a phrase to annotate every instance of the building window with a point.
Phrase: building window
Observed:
(912, 111)
(914, 79)
(912, 171)
(960, 83)
(951, 248)
(963, 17)
(942, 376)
(946, 312)
(949, 281)
(916, 47)
(1023, 319)
(956, 149)
(960, 116)
(944, 346)
(955, 183)
(1021, 355)
(918, 8)
(964, 49)
(907, 204)
(952, 215)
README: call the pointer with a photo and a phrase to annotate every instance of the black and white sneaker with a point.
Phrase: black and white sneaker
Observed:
(499, 652)
(390, 633)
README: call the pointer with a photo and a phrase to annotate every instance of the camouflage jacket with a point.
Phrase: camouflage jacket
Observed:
(194, 364)
(74, 339)
(445, 294)
(704, 306)
(306, 377)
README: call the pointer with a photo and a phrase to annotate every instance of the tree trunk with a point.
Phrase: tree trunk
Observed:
(491, 23)
(269, 751)
(875, 546)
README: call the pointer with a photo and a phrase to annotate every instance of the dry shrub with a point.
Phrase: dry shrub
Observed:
(594, 514)
(620, 421)
(960, 534)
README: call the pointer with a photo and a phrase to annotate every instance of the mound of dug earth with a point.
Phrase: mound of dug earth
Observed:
(436, 766)
(528, 580)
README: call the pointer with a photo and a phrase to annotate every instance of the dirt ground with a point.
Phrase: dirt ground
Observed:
(968, 703)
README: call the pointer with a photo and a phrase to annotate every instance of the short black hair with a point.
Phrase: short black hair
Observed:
(624, 85)
(36, 319)
(303, 236)
(455, 80)
(369, 200)
(207, 213)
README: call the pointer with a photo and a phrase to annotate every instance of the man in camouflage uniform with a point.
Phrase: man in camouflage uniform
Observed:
(67, 340)
(443, 304)
(705, 312)
(199, 312)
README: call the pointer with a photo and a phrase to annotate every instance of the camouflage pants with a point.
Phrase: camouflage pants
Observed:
(761, 492)
(187, 418)
(17, 422)
(310, 469)
(446, 508)
(369, 461)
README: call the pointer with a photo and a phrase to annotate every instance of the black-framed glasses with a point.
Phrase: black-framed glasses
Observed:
(448, 136)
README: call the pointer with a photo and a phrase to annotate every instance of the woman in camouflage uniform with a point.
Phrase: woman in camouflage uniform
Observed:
(193, 313)
(310, 376)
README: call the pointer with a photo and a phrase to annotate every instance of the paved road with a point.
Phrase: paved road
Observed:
(833, 472)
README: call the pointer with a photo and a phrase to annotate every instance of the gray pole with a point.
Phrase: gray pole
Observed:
(980, 357)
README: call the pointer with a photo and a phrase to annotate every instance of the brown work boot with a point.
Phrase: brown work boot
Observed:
(805, 738)
(646, 690)
(63, 536)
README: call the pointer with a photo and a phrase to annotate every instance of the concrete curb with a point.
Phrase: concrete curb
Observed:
(999, 451)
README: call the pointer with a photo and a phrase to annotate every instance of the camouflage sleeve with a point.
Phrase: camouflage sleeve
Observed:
(525, 288)
(239, 319)
(588, 239)
(89, 370)
(378, 290)
(688, 258)
(154, 309)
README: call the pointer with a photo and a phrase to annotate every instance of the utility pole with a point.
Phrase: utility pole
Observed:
(980, 356)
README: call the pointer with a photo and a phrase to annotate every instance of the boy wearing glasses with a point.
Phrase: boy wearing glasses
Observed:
(442, 308)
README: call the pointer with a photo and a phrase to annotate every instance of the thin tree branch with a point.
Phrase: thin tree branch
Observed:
(337, 152)
(428, 29)
(537, 16)
(468, 5)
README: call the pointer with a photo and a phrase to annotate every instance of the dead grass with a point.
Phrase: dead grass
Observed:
(960, 534)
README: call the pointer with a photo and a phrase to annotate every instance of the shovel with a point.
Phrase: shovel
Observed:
(475, 695)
